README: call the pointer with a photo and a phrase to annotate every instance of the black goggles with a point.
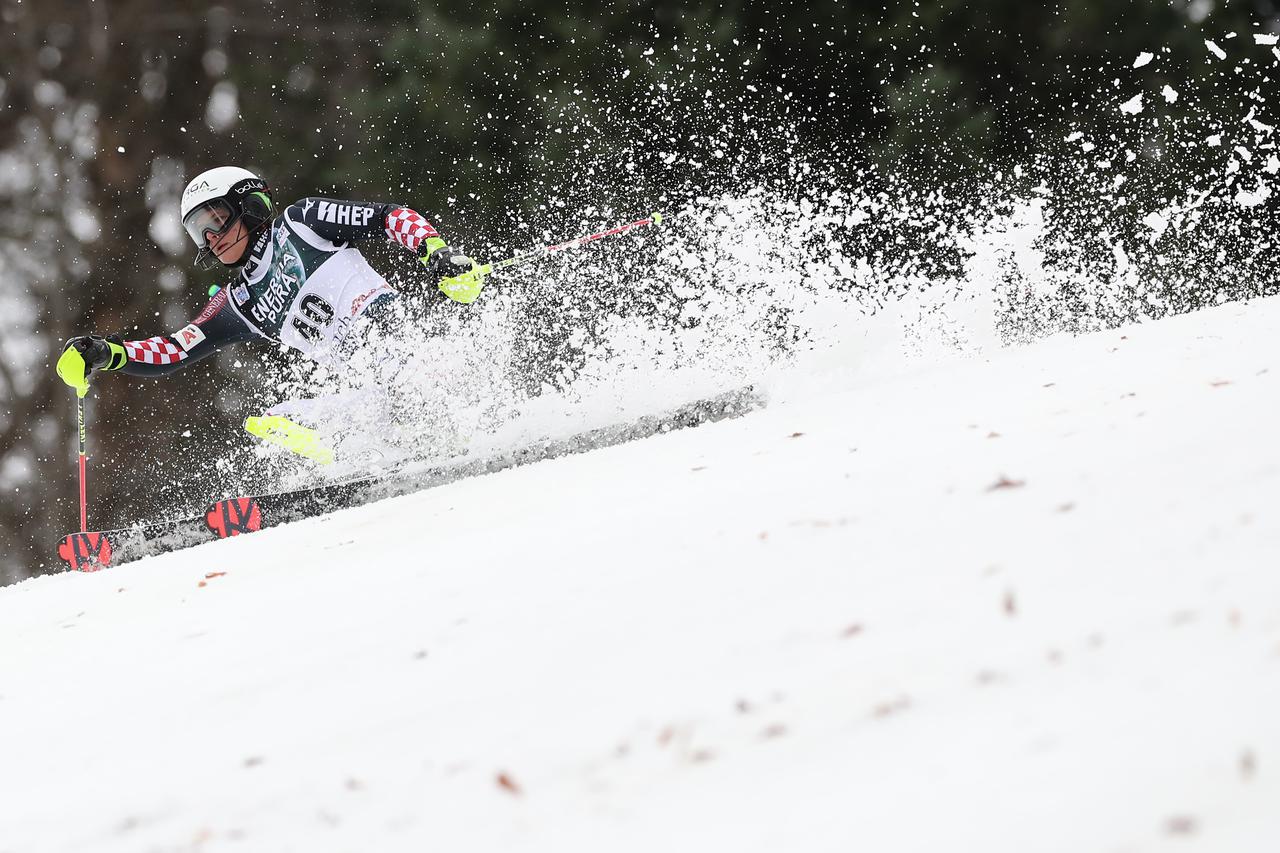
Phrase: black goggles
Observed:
(212, 217)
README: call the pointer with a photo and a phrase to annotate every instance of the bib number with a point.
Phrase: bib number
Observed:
(318, 313)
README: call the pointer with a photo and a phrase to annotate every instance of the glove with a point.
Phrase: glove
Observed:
(82, 356)
(458, 277)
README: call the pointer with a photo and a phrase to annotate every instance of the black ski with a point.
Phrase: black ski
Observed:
(235, 516)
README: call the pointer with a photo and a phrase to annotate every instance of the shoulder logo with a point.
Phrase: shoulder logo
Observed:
(307, 205)
(344, 214)
(189, 337)
(240, 294)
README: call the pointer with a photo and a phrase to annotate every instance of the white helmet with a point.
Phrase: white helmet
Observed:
(215, 199)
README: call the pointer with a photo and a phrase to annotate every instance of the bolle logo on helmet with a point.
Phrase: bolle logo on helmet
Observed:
(249, 185)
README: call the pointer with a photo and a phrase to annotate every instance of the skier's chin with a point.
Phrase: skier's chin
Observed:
(231, 255)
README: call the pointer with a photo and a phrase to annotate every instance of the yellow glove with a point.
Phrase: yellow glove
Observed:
(465, 288)
(460, 278)
(84, 355)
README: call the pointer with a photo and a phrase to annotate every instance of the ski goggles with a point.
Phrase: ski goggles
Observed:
(212, 217)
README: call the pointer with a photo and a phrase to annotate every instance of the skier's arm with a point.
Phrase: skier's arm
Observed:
(340, 222)
(216, 326)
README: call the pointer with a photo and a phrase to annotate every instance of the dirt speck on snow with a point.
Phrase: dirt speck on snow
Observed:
(1006, 483)
(1248, 765)
(893, 706)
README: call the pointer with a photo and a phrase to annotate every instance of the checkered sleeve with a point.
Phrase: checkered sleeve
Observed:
(408, 228)
(157, 350)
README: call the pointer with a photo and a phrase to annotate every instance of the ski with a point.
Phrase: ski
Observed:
(224, 518)
(240, 515)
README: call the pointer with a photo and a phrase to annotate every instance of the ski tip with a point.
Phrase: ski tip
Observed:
(233, 517)
(86, 552)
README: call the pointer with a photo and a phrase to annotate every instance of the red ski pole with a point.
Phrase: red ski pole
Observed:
(84, 551)
(84, 512)
(655, 219)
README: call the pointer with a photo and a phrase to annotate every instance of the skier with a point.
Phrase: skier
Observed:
(299, 282)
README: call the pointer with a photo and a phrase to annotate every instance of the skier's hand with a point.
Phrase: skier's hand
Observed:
(84, 355)
(460, 278)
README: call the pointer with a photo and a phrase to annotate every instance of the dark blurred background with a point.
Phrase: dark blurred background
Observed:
(509, 123)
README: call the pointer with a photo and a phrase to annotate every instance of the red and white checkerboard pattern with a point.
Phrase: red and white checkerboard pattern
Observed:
(158, 350)
(408, 228)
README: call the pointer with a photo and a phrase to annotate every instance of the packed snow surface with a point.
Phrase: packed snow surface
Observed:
(1021, 600)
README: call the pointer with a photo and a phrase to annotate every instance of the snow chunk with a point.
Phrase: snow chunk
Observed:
(1215, 140)
(1265, 38)
(1133, 106)
(1169, 94)
(1215, 50)
(1156, 222)
(1255, 198)
(1144, 58)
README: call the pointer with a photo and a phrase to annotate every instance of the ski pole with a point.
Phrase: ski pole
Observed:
(84, 513)
(655, 219)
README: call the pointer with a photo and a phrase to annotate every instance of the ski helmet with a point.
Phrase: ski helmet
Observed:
(216, 199)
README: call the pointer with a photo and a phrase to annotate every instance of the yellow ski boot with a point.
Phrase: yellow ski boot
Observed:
(293, 437)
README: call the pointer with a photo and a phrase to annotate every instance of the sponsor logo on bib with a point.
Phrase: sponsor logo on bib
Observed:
(357, 304)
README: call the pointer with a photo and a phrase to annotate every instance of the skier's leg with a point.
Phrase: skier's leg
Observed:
(406, 372)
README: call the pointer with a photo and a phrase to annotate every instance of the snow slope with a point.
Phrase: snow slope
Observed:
(1022, 602)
